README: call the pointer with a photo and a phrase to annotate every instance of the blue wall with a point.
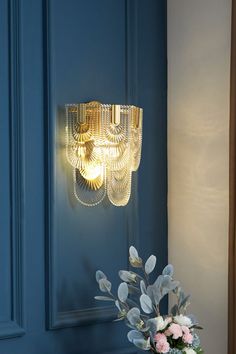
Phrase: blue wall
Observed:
(59, 52)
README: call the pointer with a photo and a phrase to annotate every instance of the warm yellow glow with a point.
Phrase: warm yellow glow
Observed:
(104, 147)
(91, 172)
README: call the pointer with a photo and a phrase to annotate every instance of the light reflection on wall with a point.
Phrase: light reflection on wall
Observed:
(198, 104)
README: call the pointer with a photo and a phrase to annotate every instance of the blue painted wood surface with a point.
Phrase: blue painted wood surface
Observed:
(58, 52)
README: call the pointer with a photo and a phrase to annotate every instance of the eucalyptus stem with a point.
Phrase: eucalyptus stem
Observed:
(147, 331)
(157, 310)
(145, 275)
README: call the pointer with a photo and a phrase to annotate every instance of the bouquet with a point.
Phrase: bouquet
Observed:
(138, 304)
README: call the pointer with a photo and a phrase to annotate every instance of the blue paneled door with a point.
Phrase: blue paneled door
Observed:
(55, 52)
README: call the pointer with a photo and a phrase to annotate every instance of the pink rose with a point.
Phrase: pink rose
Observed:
(168, 333)
(175, 330)
(162, 345)
(159, 336)
(187, 336)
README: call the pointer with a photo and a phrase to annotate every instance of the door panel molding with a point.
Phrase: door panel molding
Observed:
(56, 319)
(14, 326)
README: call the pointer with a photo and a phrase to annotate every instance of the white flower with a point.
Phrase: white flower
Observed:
(189, 351)
(134, 258)
(161, 323)
(128, 277)
(183, 320)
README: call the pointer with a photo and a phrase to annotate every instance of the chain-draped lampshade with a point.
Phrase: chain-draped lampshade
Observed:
(103, 145)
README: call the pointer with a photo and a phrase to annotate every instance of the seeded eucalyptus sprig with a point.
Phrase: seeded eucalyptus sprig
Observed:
(138, 304)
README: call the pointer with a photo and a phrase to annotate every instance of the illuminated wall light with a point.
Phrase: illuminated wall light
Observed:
(103, 145)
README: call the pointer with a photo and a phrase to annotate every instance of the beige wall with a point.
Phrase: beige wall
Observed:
(198, 119)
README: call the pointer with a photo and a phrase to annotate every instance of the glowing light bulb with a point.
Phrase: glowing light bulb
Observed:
(91, 172)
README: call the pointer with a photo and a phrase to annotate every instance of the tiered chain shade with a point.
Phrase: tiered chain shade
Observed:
(103, 146)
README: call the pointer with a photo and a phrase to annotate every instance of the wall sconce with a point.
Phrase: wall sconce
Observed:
(103, 145)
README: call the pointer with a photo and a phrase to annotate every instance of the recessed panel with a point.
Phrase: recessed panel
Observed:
(11, 311)
(83, 66)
